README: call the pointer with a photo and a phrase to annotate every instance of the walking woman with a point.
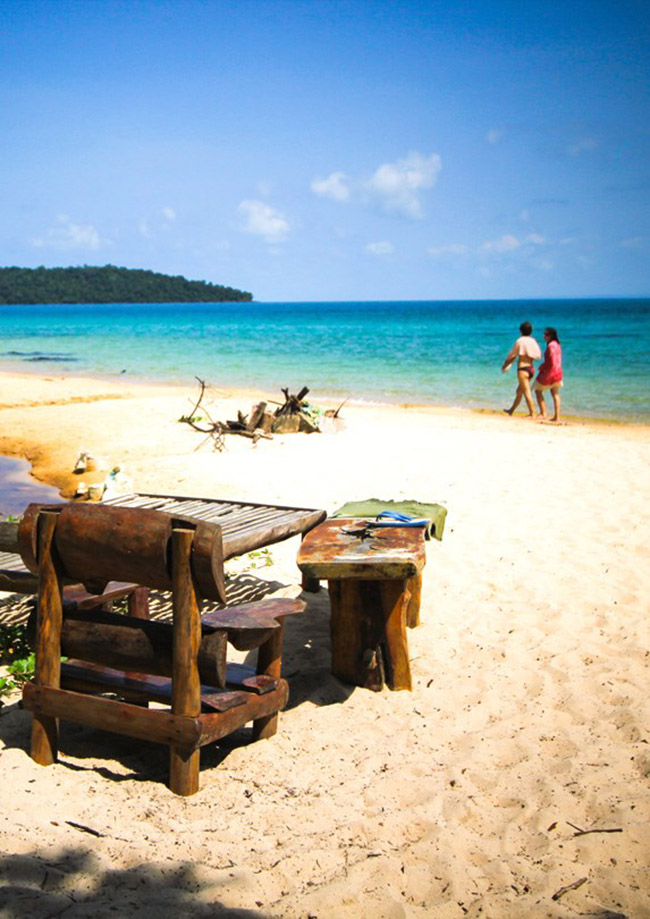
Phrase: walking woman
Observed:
(550, 374)
(525, 350)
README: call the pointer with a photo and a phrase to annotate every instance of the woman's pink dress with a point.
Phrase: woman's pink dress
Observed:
(550, 372)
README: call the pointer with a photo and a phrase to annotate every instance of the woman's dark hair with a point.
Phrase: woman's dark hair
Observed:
(552, 333)
(525, 328)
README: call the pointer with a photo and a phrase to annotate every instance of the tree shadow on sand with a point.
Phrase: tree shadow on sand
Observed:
(72, 884)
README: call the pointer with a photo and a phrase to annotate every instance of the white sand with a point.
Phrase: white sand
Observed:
(529, 712)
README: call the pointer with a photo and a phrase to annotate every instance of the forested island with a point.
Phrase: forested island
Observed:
(108, 285)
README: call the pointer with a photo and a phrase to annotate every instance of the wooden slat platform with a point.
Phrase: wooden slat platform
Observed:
(245, 526)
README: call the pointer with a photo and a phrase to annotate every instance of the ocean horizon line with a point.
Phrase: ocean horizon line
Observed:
(343, 300)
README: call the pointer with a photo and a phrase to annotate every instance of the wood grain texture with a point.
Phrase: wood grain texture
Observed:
(186, 684)
(101, 542)
(108, 715)
(145, 653)
(374, 578)
(45, 730)
(330, 552)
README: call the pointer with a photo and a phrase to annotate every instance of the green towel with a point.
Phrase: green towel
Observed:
(434, 513)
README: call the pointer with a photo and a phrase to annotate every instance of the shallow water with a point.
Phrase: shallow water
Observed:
(18, 488)
(441, 353)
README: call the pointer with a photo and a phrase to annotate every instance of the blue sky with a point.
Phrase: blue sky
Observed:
(332, 149)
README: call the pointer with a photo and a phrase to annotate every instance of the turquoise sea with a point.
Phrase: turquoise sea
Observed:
(433, 352)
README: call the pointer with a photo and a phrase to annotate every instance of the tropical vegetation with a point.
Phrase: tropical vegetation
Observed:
(108, 284)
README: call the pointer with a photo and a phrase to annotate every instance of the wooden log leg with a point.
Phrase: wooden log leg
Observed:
(138, 607)
(413, 608)
(394, 602)
(309, 584)
(186, 685)
(45, 728)
(368, 630)
(357, 630)
(269, 661)
(138, 603)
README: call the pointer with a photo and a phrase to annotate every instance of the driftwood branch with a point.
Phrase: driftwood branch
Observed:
(334, 413)
(581, 832)
(560, 893)
(216, 430)
(291, 416)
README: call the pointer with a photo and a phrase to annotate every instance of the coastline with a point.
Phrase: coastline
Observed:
(434, 352)
(83, 406)
(529, 713)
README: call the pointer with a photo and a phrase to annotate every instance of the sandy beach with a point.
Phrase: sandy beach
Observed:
(528, 721)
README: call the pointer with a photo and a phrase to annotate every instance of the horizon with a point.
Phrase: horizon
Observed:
(522, 299)
(340, 151)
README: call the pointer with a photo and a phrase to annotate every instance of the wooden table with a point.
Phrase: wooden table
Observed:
(375, 580)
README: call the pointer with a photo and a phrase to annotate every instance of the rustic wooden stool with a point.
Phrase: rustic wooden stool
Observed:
(183, 664)
(375, 581)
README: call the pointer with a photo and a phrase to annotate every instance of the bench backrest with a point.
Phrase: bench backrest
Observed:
(96, 543)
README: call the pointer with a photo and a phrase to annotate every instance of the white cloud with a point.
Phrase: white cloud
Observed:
(634, 242)
(335, 186)
(493, 136)
(582, 145)
(70, 235)
(510, 243)
(449, 249)
(544, 264)
(263, 220)
(380, 248)
(164, 220)
(398, 185)
(506, 243)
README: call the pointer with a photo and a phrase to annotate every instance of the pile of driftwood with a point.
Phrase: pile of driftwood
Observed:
(292, 416)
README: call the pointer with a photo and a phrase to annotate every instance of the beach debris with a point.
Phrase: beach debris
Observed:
(117, 482)
(293, 416)
(82, 463)
(574, 886)
(86, 462)
(83, 828)
(580, 832)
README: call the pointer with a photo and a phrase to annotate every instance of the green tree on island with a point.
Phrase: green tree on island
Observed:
(108, 284)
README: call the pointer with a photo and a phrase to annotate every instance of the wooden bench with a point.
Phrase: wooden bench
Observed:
(374, 579)
(244, 527)
(183, 664)
(16, 579)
